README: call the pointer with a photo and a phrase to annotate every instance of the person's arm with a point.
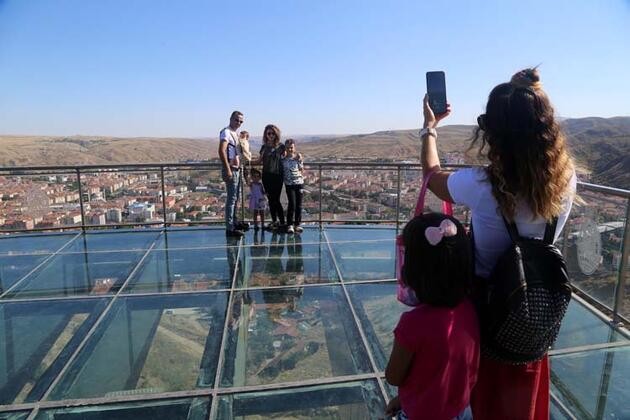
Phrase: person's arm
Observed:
(224, 158)
(398, 365)
(429, 155)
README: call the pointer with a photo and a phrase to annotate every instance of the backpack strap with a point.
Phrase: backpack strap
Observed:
(511, 228)
(550, 231)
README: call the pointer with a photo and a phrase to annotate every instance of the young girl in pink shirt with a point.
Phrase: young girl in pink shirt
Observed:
(435, 357)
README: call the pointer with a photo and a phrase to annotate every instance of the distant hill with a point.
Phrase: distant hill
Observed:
(84, 150)
(602, 145)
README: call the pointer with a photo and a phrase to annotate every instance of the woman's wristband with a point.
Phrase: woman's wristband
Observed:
(428, 132)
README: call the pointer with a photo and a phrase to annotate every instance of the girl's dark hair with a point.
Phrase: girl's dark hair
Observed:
(441, 274)
(255, 172)
(289, 142)
(526, 148)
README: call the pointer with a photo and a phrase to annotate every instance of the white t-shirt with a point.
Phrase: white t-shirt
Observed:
(228, 135)
(471, 188)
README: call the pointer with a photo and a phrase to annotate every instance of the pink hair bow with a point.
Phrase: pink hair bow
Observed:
(435, 234)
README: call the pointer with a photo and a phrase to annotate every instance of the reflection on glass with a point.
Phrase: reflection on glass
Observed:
(366, 260)
(192, 238)
(33, 244)
(353, 400)
(187, 409)
(113, 241)
(148, 345)
(98, 273)
(311, 235)
(593, 384)
(13, 268)
(37, 339)
(379, 311)
(170, 270)
(581, 327)
(286, 261)
(291, 334)
(594, 238)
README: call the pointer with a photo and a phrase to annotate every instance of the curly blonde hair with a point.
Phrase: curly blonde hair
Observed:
(527, 150)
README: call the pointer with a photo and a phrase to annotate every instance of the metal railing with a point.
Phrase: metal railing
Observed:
(394, 169)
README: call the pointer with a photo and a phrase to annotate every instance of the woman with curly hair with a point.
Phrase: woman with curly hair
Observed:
(530, 180)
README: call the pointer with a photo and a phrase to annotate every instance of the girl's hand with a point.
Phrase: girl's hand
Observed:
(393, 407)
(430, 119)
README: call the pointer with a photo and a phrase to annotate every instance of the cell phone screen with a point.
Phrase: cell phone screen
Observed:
(436, 88)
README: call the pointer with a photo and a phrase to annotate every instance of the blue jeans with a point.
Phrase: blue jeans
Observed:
(233, 187)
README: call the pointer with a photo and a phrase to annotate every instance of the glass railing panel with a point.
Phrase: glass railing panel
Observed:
(379, 311)
(292, 334)
(310, 195)
(286, 261)
(359, 193)
(149, 345)
(118, 240)
(195, 195)
(351, 400)
(79, 274)
(38, 338)
(177, 270)
(581, 327)
(180, 409)
(593, 384)
(33, 244)
(39, 200)
(360, 233)
(114, 197)
(592, 244)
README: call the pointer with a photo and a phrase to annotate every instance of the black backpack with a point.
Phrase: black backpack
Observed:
(525, 299)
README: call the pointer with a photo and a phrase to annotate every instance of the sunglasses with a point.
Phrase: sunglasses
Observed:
(481, 121)
(270, 133)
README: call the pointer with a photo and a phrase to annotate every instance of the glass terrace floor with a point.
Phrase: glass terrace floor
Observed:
(186, 324)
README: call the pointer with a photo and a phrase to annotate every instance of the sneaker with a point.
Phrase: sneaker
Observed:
(244, 226)
(298, 229)
(234, 233)
(271, 226)
(290, 229)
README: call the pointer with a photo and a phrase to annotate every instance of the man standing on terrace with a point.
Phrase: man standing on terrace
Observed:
(231, 172)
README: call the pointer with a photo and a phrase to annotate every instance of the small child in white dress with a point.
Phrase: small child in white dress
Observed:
(257, 200)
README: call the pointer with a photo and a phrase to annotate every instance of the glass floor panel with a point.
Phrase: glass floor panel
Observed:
(97, 273)
(366, 260)
(113, 241)
(354, 400)
(292, 334)
(33, 244)
(173, 270)
(14, 416)
(149, 345)
(581, 327)
(182, 409)
(192, 238)
(379, 311)
(310, 235)
(37, 339)
(76, 339)
(14, 267)
(287, 263)
(593, 384)
(364, 234)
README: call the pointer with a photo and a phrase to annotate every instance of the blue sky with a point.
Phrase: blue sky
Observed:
(178, 68)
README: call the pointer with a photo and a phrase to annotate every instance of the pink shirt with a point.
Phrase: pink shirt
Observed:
(445, 344)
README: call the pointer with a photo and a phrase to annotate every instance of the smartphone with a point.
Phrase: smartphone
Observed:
(436, 88)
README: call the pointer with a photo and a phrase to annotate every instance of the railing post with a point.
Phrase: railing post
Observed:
(163, 195)
(81, 200)
(620, 290)
(398, 201)
(242, 187)
(320, 195)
